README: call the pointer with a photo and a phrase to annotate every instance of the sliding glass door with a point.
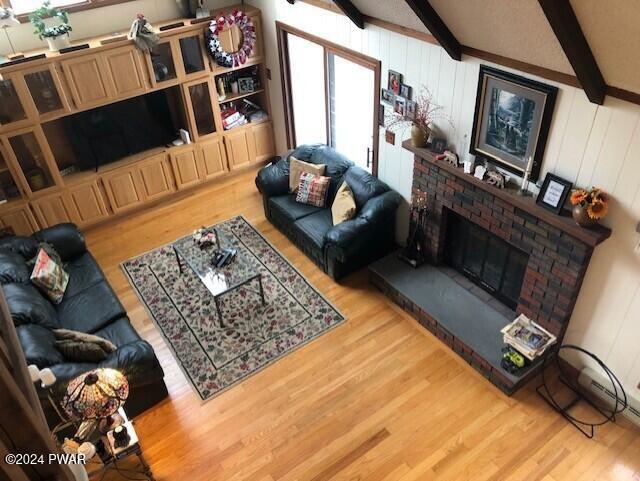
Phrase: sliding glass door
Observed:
(330, 96)
(351, 88)
(307, 91)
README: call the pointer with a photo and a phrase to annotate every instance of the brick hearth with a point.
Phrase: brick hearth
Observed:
(559, 250)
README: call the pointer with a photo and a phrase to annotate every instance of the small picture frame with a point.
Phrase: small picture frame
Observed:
(395, 80)
(410, 110)
(438, 145)
(400, 106)
(381, 115)
(245, 85)
(553, 193)
(405, 91)
(390, 137)
(388, 96)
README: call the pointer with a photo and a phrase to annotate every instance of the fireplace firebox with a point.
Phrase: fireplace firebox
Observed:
(484, 258)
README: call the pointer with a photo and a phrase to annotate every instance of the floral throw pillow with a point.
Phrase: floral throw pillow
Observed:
(49, 276)
(313, 189)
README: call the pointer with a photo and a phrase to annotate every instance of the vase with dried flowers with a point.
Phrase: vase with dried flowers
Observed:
(427, 111)
(589, 206)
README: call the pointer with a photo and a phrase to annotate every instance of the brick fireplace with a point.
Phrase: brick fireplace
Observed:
(558, 250)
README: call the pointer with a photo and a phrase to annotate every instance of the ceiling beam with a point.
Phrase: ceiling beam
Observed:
(351, 11)
(430, 18)
(565, 26)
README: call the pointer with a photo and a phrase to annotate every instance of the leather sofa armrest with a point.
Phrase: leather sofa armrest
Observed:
(137, 361)
(67, 240)
(349, 237)
(380, 208)
(273, 180)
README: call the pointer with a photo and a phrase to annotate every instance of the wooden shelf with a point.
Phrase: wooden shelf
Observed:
(232, 97)
(249, 63)
(248, 125)
(81, 176)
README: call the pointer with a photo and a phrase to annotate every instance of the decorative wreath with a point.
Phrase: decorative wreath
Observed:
(244, 23)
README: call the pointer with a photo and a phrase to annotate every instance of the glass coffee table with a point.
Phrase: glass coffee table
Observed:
(242, 271)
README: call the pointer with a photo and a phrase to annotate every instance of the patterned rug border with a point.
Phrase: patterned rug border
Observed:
(261, 368)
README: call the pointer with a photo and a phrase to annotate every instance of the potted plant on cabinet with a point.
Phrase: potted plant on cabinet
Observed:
(421, 120)
(57, 36)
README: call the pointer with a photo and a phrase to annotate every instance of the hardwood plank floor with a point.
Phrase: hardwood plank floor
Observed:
(377, 398)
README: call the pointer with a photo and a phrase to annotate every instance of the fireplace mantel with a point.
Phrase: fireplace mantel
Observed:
(591, 236)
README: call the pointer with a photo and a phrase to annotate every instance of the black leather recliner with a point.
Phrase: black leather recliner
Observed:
(89, 305)
(340, 249)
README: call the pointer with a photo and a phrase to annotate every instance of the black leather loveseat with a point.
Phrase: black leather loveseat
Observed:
(89, 305)
(348, 246)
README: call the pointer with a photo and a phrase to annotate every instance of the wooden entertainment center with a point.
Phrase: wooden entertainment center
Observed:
(39, 174)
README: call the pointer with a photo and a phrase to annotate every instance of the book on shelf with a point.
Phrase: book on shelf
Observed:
(240, 121)
(230, 117)
(527, 337)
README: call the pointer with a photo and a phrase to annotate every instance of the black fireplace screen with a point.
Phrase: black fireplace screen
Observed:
(485, 259)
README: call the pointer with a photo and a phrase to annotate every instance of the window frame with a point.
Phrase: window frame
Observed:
(77, 7)
(282, 31)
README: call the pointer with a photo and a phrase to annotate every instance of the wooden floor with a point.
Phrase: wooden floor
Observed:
(377, 398)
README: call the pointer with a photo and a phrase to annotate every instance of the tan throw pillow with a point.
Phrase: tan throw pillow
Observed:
(297, 167)
(344, 205)
(70, 335)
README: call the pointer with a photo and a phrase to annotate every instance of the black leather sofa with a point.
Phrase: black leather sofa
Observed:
(345, 248)
(89, 305)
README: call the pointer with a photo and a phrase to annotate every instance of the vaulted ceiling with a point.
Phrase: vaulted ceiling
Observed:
(518, 29)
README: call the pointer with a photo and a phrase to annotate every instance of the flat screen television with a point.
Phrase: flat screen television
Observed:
(110, 133)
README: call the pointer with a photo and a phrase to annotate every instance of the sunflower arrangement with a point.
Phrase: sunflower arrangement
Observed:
(595, 201)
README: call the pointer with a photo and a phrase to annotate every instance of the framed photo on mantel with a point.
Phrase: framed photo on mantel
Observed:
(511, 120)
(553, 193)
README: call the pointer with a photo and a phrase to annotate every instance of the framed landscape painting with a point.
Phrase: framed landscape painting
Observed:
(512, 119)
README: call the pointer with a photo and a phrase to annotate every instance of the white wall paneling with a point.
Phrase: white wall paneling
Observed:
(588, 144)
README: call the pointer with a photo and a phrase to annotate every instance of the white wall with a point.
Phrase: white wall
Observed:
(588, 144)
(101, 21)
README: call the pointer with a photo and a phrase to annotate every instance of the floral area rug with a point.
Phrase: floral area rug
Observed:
(254, 335)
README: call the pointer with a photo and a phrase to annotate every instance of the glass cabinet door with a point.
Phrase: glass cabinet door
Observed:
(203, 116)
(192, 54)
(11, 109)
(162, 63)
(44, 91)
(30, 158)
(8, 188)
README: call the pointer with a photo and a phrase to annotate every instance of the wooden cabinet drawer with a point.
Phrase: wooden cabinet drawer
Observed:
(240, 147)
(186, 167)
(19, 219)
(53, 209)
(156, 177)
(88, 202)
(125, 69)
(89, 80)
(264, 141)
(123, 189)
(213, 158)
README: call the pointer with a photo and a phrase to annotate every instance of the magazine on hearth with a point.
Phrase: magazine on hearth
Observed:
(527, 337)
